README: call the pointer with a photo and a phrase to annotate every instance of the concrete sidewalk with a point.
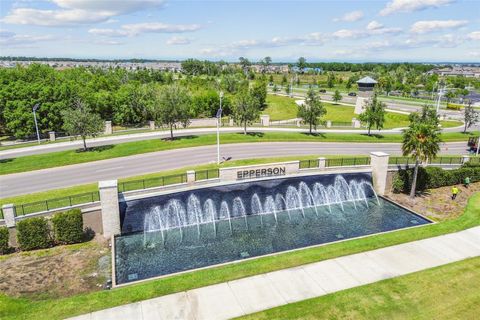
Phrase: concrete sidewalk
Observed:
(273, 289)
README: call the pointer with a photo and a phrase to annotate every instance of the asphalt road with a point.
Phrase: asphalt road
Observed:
(61, 177)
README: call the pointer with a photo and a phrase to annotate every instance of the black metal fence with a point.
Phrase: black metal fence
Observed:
(440, 160)
(307, 164)
(341, 124)
(345, 162)
(207, 174)
(1, 213)
(39, 206)
(152, 182)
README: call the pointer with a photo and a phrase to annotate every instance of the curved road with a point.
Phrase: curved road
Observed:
(61, 177)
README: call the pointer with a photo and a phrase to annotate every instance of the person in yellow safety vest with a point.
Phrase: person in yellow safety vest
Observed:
(454, 192)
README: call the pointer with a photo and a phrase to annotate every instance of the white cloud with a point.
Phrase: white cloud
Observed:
(12, 39)
(129, 30)
(435, 25)
(475, 35)
(178, 41)
(396, 6)
(374, 25)
(373, 28)
(350, 16)
(75, 12)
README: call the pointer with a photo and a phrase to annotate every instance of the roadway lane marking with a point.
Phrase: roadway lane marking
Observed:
(108, 169)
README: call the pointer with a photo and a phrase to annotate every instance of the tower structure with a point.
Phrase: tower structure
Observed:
(366, 86)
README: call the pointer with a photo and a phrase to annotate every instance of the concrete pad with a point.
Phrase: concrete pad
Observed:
(132, 311)
(256, 293)
(460, 243)
(364, 268)
(214, 302)
(330, 276)
(294, 284)
(474, 234)
(397, 259)
(171, 307)
(438, 248)
(425, 257)
(87, 316)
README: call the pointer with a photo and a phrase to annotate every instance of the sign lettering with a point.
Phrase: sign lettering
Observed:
(258, 173)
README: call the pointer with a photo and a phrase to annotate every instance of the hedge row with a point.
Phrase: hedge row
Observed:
(435, 177)
(3, 240)
(36, 233)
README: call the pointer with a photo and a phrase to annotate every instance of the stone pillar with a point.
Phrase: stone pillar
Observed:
(52, 136)
(360, 104)
(230, 122)
(191, 176)
(355, 123)
(329, 123)
(322, 163)
(9, 215)
(108, 127)
(151, 124)
(110, 207)
(379, 164)
(299, 123)
(265, 120)
(465, 159)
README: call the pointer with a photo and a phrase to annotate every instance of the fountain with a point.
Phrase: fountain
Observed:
(186, 230)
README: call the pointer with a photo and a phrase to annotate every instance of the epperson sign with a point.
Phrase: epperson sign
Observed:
(258, 173)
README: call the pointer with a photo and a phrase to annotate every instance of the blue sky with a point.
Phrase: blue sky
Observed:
(392, 30)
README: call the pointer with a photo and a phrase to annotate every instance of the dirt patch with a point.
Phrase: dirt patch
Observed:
(437, 204)
(56, 272)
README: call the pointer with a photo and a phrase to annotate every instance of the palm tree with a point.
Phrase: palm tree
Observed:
(421, 141)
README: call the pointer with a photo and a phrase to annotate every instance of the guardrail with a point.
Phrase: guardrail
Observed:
(39, 206)
(152, 182)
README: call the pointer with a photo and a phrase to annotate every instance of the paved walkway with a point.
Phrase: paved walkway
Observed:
(252, 294)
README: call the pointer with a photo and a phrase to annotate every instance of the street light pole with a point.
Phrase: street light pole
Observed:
(35, 108)
(219, 117)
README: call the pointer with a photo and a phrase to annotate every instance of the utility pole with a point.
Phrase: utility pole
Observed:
(34, 109)
(219, 118)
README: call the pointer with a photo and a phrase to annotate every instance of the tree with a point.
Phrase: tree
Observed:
(287, 90)
(312, 110)
(172, 106)
(259, 92)
(275, 88)
(284, 80)
(246, 109)
(81, 121)
(374, 114)
(421, 141)
(301, 64)
(337, 96)
(245, 63)
(471, 116)
(330, 80)
(450, 95)
(270, 79)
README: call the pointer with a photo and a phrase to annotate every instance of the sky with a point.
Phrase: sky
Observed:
(392, 30)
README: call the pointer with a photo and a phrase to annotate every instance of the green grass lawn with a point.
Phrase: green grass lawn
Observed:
(284, 108)
(22, 308)
(62, 158)
(446, 292)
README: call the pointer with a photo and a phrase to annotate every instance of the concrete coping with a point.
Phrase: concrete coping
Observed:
(190, 171)
(262, 165)
(107, 184)
(379, 154)
(8, 206)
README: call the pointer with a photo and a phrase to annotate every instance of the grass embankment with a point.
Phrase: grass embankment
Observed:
(21, 308)
(284, 108)
(63, 158)
(70, 191)
(446, 292)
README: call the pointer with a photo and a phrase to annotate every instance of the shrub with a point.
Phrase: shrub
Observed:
(68, 226)
(33, 233)
(3, 240)
(452, 106)
(435, 177)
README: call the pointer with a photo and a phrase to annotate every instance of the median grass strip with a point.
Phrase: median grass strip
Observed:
(445, 292)
(62, 158)
(21, 308)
